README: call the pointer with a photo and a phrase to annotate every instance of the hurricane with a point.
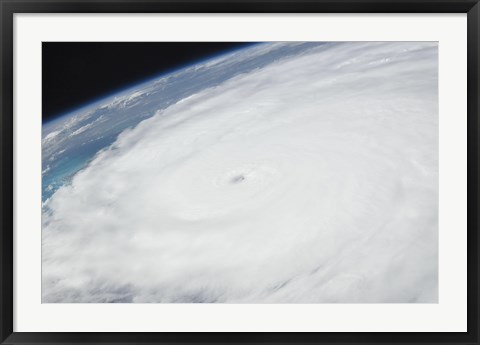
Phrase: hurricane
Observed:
(284, 172)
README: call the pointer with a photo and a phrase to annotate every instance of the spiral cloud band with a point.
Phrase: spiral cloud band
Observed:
(313, 179)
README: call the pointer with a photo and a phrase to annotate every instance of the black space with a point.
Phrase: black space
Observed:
(76, 73)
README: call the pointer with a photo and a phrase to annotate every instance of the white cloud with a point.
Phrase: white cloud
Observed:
(314, 179)
(51, 136)
(81, 129)
(125, 101)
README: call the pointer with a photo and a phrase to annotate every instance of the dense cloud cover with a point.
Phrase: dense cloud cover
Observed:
(312, 179)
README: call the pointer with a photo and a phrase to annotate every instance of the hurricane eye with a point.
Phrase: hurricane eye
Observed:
(238, 179)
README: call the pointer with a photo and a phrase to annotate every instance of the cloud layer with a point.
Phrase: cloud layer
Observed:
(313, 179)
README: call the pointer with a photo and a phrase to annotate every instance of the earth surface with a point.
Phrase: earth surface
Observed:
(301, 172)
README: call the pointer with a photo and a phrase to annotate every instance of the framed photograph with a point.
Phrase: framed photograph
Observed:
(239, 172)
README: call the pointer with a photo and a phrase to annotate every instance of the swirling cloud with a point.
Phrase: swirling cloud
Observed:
(313, 179)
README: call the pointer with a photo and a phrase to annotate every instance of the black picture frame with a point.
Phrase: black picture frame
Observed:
(9, 7)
